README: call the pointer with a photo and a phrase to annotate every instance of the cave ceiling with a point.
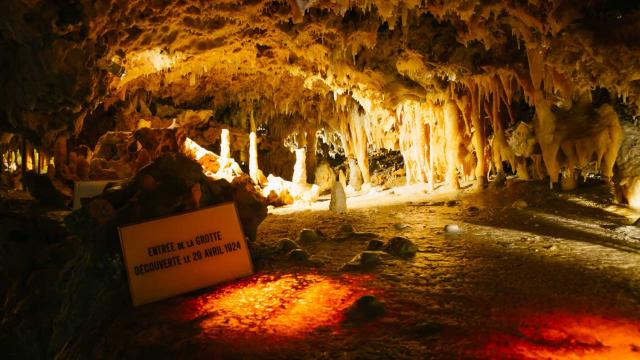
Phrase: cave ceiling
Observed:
(305, 64)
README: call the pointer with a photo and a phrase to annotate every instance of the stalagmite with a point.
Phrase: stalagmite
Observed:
(225, 147)
(253, 157)
(355, 175)
(338, 203)
(342, 178)
(300, 167)
(359, 141)
(253, 151)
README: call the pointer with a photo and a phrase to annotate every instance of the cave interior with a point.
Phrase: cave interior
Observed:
(412, 178)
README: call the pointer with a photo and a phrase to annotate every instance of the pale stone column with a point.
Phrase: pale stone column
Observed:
(225, 139)
(300, 167)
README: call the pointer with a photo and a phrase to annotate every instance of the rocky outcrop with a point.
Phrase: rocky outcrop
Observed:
(171, 184)
(627, 171)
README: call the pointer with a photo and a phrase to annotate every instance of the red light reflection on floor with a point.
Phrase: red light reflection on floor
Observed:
(286, 305)
(564, 336)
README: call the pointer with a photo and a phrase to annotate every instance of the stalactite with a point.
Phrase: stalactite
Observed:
(500, 150)
(359, 142)
(430, 171)
(413, 145)
(478, 137)
(536, 67)
(452, 135)
(545, 127)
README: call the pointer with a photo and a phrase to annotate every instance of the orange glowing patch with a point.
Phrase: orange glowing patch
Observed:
(563, 336)
(286, 305)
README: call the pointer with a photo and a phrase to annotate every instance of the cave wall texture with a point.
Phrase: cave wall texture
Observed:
(444, 82)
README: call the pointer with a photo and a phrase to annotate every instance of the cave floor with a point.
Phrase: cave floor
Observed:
(559, 278)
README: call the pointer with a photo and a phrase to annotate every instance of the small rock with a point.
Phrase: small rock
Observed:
(400, 226)
(550, 247)
(401, 247)
(286, 245)
(363, 261)
(375, 245)
(315, 260)
(452, 229)
(346, 229)
(519, 204)
(451, 203)
(369, 258)
(365, 309)
(298, 255)
(307, 236)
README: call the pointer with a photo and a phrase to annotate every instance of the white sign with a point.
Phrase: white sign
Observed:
(181, 253)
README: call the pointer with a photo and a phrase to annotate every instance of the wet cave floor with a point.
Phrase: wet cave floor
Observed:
(557, 278)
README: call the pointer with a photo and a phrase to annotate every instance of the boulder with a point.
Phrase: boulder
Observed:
(308, 236)
(401, 247)
(366, 260)
(375, 245)
(298, 255)
(172, 184)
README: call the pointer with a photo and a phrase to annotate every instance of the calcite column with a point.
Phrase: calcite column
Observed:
(253, 151)
(312, 161)
(253, 157)
(452, 144)
(300, 167)
(358, 138)
(225, 140)
(478, 139)
(60, 155)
